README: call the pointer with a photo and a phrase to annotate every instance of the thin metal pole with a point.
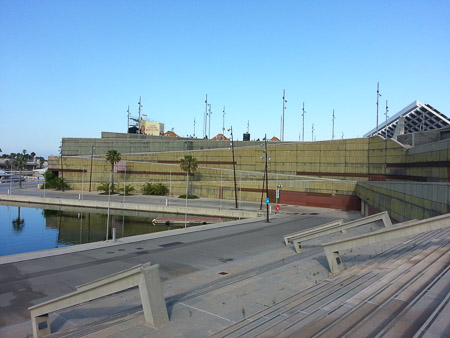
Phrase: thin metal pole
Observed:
(223, 121)
(332, 134)
(262, 189)
(90, 176)
(139, 108)
(303, 116)
(205, 117)
(109, 201)
(385, 127)
(378, 96)
(234, 168)
(282, 120)
(209, 127)
(62, 170)
(82, 183)
(185, 211)
(267, 179)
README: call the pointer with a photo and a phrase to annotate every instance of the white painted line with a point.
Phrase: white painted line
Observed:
(212, 314)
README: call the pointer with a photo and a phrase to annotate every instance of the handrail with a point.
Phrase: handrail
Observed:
(404, 229)
(145, 276)
(289, 237)
(383, 216)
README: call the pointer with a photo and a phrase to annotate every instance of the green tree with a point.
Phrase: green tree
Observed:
(188, 164)
(113, 156)
(20, 163)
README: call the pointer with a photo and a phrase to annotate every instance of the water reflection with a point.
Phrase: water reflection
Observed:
(79, 228)
(53, 227)
(18, 223)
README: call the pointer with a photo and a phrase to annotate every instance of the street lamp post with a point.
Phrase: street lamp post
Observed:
(267, 178)
(90, 174)
(234, 166)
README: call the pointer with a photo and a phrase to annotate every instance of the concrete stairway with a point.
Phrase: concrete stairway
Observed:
(402, 292)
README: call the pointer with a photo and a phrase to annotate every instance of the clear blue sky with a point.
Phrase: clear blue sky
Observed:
(71, 68)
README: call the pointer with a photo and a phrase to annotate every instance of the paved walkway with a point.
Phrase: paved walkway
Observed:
(190, 261)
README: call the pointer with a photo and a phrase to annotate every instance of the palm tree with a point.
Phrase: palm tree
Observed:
(113, 156)
(20, 163)
(188, 164)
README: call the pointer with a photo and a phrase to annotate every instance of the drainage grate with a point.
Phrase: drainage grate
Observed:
(223, 273)
(170, 244)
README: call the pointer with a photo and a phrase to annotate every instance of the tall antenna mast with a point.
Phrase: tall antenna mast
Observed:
(139, 108)
(282, 119)
(303, 116)
(386, 115)
(312, 133)
(378, 97)
(248, 126)
(205, 117)
(128, 113)
(223, 121)
(194, 127)
(281, 128)
(210, 113)
(332, 135)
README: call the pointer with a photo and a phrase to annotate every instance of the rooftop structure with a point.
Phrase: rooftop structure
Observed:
(416, 117)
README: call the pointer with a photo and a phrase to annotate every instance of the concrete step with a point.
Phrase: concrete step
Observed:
(274, 318)
(418, 310)
(437, 323)
(385, 306)
(315, 322)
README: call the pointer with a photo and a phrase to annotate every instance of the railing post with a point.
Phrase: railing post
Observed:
(40, 325)
(152, 297)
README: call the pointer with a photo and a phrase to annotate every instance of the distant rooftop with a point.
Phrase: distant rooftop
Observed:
(418, 117)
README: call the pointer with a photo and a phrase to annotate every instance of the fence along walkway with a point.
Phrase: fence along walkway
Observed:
(407, 229)
(322, 230)
(145, 276)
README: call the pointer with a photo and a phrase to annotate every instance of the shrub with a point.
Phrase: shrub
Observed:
(104, 188)
(190, 197)
(54, 182)
(126, 190)
(60, 183)
(158, 189)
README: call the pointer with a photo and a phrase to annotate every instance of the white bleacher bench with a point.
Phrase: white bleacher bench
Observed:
(401, 230)
(146, 276)
(383, 216)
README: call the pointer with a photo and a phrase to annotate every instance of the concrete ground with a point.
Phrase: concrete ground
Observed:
(193, 264)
